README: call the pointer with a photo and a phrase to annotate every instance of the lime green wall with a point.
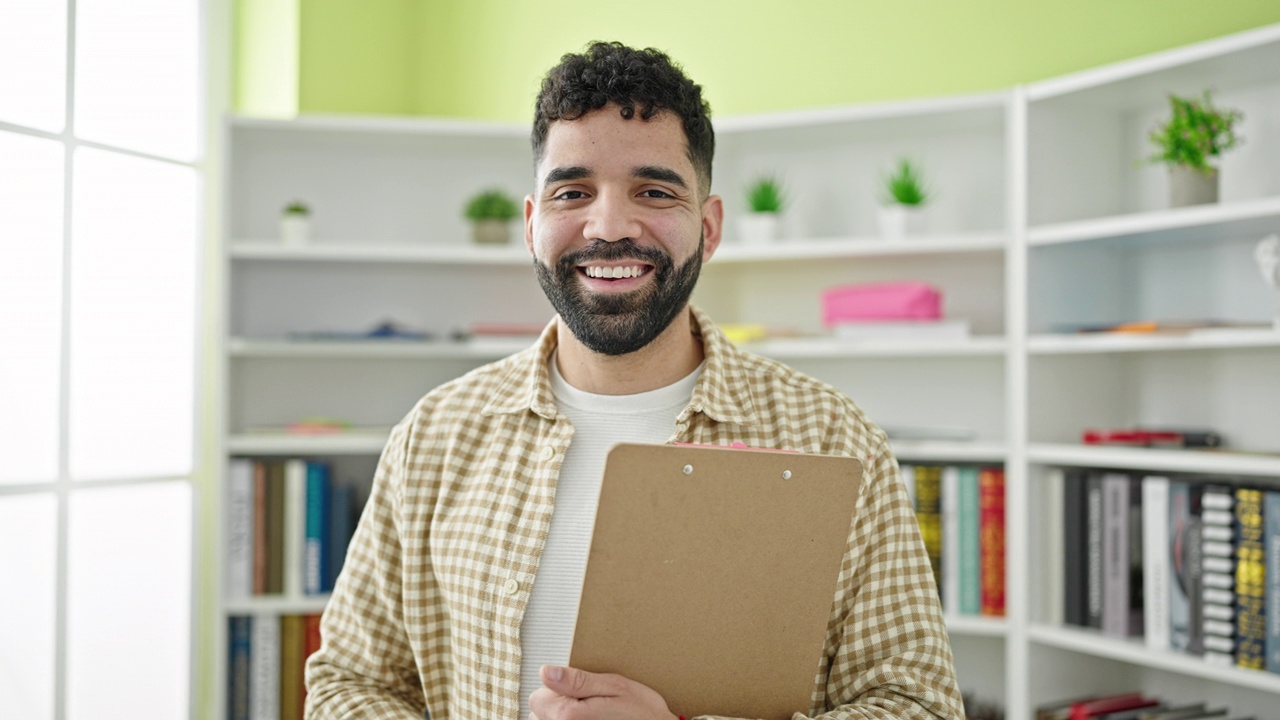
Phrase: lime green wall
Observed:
(266, 57)
(484, 58)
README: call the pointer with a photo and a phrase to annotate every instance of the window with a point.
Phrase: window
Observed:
(101, 174)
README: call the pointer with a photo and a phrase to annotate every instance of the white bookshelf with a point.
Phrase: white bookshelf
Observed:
(1045, 220)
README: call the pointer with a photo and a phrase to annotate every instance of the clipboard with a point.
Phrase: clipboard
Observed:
(712, 574)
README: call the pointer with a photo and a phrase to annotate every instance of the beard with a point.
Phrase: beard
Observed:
(619, 323)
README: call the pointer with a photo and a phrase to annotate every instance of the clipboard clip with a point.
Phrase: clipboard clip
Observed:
(735, 445)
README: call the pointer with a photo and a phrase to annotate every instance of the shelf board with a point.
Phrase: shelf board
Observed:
(978, 626)
(944, 111)
(1209, 339)
(359, 442)
(1221, 221)
(385, 124)
(487, 349)
(948, 450)
(843, 247)
(1157, 460)
(1135, 652)
(357, 252)
(276, 604)
(816, 348)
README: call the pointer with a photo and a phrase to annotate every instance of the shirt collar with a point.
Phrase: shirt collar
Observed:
(720, 392)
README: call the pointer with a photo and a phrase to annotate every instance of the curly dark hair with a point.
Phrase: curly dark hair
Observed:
(612, 72)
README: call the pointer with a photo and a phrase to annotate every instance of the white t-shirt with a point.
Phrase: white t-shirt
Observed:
(599, 422)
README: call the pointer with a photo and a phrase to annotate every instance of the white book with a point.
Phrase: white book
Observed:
(951, 540)
(240, 529)
(1052, 578)
(903, 330)
(295, 526)
(1156, 572)
(264, 668)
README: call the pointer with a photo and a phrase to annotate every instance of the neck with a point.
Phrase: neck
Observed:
(670, 357)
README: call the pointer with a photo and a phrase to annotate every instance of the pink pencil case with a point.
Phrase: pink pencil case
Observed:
(871, 302)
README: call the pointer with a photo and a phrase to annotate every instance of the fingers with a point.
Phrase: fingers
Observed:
(574, 683)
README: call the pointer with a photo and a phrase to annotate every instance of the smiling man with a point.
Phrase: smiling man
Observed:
(460, 590)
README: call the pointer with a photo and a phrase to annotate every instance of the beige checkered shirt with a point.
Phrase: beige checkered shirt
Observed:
(426, 614)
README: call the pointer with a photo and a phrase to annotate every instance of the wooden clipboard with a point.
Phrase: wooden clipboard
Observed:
(712, 574)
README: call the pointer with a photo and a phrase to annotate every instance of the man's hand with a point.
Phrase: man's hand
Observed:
(571, 694)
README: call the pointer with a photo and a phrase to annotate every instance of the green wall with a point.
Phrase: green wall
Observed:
(484, 58)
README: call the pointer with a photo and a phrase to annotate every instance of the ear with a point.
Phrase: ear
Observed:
(528, 223)
(712, 225)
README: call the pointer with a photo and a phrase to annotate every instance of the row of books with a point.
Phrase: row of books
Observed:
(960, 509)
(289, 525)
(266, 665)
(1190, 565)
(1130, 706)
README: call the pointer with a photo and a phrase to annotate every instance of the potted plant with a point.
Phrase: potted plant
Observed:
(295, 223)
(491, 213)
(904, 197)
(1190, 142)
(764, 203)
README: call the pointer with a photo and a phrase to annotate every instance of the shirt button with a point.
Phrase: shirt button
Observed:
(548, 452)
(511, 587)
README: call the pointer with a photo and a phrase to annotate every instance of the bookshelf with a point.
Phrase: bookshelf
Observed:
(1044, 219)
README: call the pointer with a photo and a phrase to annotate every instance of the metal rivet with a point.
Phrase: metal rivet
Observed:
(688, 469)
(786, 474)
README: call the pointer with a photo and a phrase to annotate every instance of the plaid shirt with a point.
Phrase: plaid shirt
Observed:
(426, 614)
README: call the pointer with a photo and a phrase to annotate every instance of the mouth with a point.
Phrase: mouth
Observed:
(614, 276)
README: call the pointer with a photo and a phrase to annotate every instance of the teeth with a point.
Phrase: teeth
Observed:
(615, 272)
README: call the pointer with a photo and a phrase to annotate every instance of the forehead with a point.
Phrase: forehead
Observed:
(603, 138)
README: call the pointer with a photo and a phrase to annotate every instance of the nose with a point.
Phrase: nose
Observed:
(612, 217)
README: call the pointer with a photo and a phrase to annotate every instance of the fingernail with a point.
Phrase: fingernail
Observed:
(555, 673)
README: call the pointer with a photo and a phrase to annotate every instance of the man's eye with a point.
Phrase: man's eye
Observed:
(570, 195)
(654, 193)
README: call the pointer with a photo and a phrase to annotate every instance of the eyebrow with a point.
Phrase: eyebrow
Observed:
(560, 174)
(660, 174)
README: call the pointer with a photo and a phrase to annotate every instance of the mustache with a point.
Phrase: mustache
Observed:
(604, 251)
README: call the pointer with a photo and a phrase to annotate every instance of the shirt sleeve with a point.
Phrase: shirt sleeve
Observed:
(365, 666)
(888, 652)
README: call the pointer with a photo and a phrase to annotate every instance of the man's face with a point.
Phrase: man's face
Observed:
(616, 227)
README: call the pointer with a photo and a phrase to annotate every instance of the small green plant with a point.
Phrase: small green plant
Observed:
(906, 186)
(765, 196)
(492, 205)
(1195, 133)
(297, 207)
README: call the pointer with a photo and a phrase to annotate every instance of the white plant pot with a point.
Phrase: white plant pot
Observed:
(1188, 186)
(492, 232)
(758, 228)
(295, 230)
(898, 220)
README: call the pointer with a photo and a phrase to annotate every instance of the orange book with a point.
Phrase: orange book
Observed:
(991, 540)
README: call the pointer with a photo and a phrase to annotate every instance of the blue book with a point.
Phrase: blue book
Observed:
(316, 550)
(341, 527)
(970, 552)
(239, 633)
(1271, 516)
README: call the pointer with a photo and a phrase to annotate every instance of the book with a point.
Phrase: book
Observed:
(343, 510)
(239, 529)
(1049, 566)
(950, 490)
(902, 330)
(1251, 582)
(311, 643)
(1075, 551)
(260, 513)
(1110, 704)
(1217, 614)
(929, 516)
(276, 497)
(264, 662)
(991, 541)
(294, 528)
(1155, 550)
(239, 634)
(1115, 554)
(292, 644)
(1093, 554)
(317, 545)
(1271, 554)
(970, 552)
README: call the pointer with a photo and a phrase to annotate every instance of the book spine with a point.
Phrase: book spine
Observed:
(1093, 556)
(311, 643)
(1137, 605)
(276, 498)
(240, 529)
(1115, 554)
(292, 640)
(1271, 517)
(1218, 558)
(991, 505)
(970, 547)
(317, 541)
(929, 516)
(951, 540)
(1251, 582)
(1050, 564)
(260, 514)
(238, 667)
(1155, 547)
(1179, 579)
(1075, 549)
(295, 509)
(264, 679)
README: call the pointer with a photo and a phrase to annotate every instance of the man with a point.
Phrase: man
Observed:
(460, 589)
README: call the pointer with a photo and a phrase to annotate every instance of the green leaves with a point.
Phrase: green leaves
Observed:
(1195, 132)
(492, 205)
(765, 195)
(906, 186)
